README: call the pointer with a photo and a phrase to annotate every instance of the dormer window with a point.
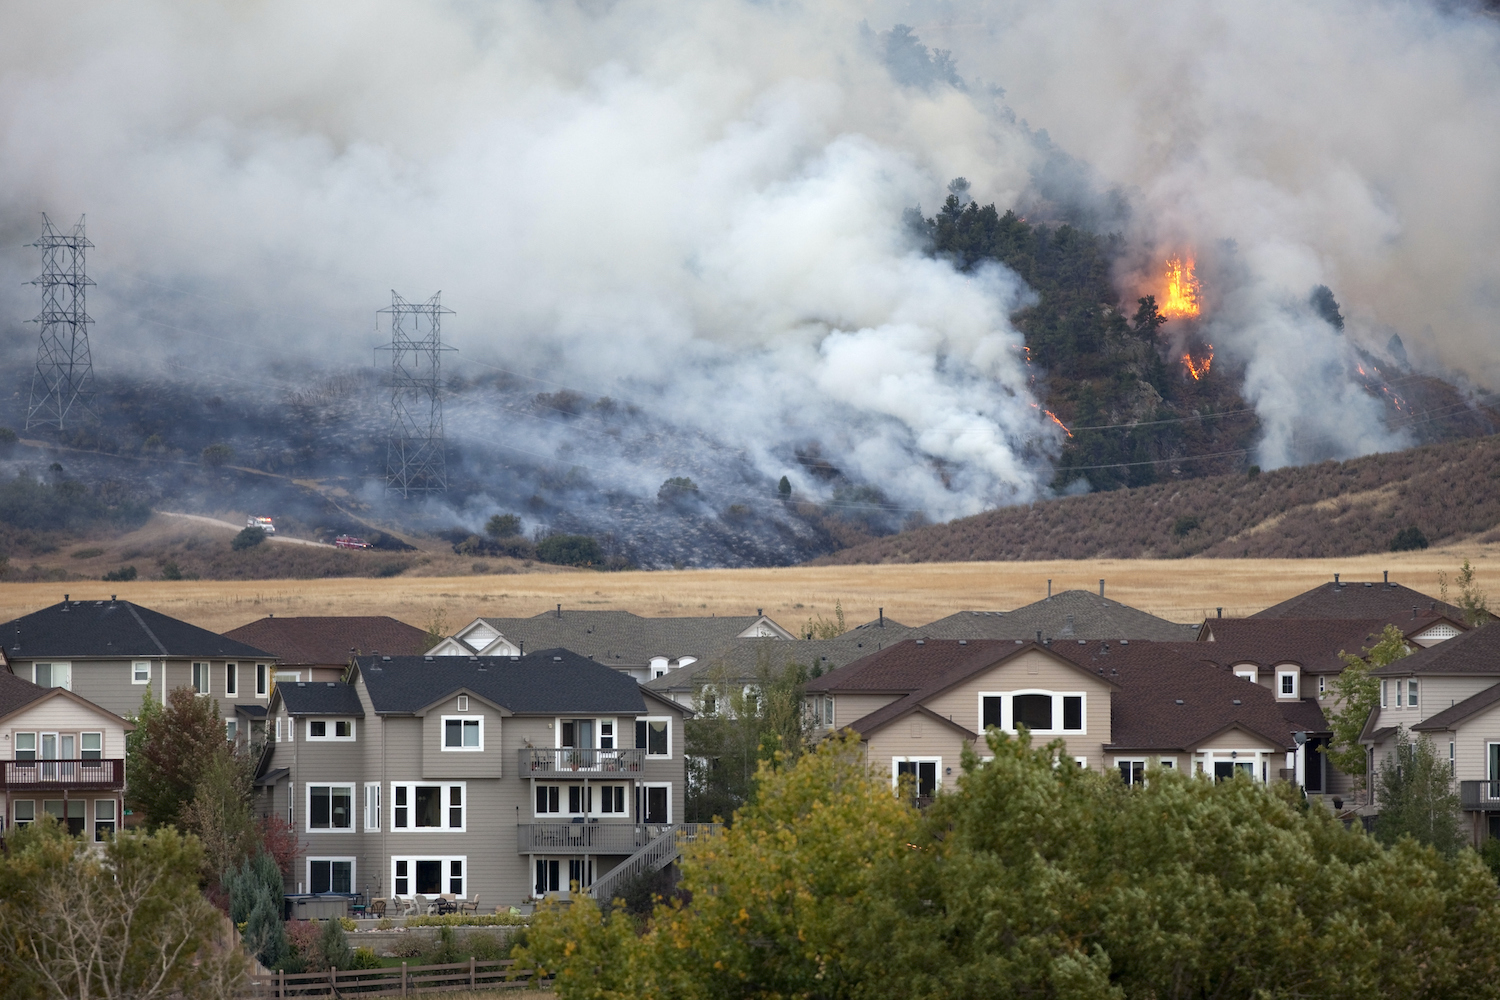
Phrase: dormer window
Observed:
(1247, 673)
(1287, 683)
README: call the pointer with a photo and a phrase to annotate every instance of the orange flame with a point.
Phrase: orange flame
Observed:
(1198, 369)
(1058, 422)
(1181, 296)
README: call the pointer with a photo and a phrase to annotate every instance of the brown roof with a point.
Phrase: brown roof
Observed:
(1476, 651)
(1387, 601)
(16, 693)
(916, 665)
(1313, 644)
(332, 640)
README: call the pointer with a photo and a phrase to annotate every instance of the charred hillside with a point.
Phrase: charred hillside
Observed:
(1433, 494)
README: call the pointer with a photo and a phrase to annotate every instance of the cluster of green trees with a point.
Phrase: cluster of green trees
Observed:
(1032, 877)
(68, 505)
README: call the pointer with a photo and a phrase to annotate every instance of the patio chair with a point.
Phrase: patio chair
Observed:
(419, 905)
(377, 908)
(470, 905)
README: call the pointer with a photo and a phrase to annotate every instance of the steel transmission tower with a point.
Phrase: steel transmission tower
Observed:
(63, 382)
(415, 460)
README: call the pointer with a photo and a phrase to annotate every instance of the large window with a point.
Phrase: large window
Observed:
(53, 675)
(23, 812)
(1046, 712)
(25, 746)
(577, 733)
(654, 803)
(90, 746)
(654, 736)
(429, 876)
(330, 807)
(326, 875)
(1411, 693)
(1132, 770)
(548, 799)
(200, 678)
(548, 876)
(330, 729)
(463, 733)
(428, 807)
(921, 772)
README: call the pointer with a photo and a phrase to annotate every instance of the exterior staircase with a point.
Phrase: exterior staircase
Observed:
(659, 852)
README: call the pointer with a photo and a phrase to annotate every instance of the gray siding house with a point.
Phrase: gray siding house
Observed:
(113, 652)
(509, 777)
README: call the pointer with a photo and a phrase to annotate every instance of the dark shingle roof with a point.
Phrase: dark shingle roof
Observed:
(328, 640)
(82, 629)
(543, 682)
(1476, 651)
(1390, 602)
(320, 698)
(1312, 644)
(16, 693)
(741, 659)
(914, 665)
(1072, 614)
(1455, 714)
(620, 638)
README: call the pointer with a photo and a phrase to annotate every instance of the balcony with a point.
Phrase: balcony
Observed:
(586, 838)
(582, 763)
(62, 775)
(1479, 796)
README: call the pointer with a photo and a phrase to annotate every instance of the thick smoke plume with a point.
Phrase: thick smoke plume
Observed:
(697, 209)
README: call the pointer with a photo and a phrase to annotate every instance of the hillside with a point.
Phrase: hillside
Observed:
(1447, 492)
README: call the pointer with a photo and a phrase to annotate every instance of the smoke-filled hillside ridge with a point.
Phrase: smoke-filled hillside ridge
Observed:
(1436, 494)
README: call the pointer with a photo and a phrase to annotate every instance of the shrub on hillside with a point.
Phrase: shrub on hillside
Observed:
(249, 538)
(121, 575)
(569, 550)
(68, 505)
(1409, 540)
(216, 455)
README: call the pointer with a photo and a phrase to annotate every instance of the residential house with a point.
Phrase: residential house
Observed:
(644, 648)
(1115, 705)
(60, 755)
(1070, 614)
(512, 777)
(1450, 693)
(1361, 599)
(114, 652)
(320, 648)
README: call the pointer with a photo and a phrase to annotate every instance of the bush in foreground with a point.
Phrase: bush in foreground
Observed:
(1034, 877)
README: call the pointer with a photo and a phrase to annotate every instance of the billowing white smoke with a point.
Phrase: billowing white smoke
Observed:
(700, 204)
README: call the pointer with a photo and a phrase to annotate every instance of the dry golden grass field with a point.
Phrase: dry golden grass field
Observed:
(1179, 589)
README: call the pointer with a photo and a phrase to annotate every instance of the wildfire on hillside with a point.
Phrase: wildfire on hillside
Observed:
(1180, 299)
(1199, 368)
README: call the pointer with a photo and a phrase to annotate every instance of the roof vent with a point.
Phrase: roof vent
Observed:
(329, 683)
(1179, 701)
(961, 642)
(1386, 576)
(557, 659)
(514, 658)
(427, 658)
(302, 684)
(1124, 642)
(386, 659)
(472, 659)
(1083, 642)
(1336, 584)
(1369, 585)
(111, 598)
(1236, 701)
(921, 642)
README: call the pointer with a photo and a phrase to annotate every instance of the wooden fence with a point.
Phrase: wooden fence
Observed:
(394, 982)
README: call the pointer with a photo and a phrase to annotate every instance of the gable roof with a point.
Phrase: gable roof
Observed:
(740, 660)
(1475, 652)
(1313, 644)
(101, 629)
(916, 665)
(1391, 602)
(548, 681)
(624, 639)
(331, 640)
(16, 693)
(1071, 614)
(1454, 714)
(320, 698)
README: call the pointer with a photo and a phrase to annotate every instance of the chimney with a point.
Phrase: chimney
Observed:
(1220, 611)
(1038, 635)
(522, 646)
(559, 611)
(65, 598)
(1387, 575)
(1101, 588)
(882, 617)
(1049, 590)
(1336, 584)
(1414, 611)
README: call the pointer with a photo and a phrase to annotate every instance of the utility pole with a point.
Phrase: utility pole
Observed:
(63, 383)
(415, 462)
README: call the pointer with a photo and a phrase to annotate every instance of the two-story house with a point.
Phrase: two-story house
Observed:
(1450, 693)
(513, 777)
(1068, 614)
(60, 755)
(1118, 705)
(319, 648)
(644, 648)
(113, 652)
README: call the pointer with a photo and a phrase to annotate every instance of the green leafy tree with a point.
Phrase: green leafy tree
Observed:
(1416, 796)
(784, 489)
(169, 753)
(570, 550)
(1355, 695)
(127, 921)
(1473, 601)
(220, 815)
(503, 526)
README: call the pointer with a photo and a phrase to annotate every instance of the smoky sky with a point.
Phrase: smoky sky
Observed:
(698, 207)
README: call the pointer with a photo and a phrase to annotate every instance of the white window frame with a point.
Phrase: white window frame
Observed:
(372, 806)
(643, 786)
(1383, 683)
(1008, 710)
(232, 679)
(262, 680)
(1281, 676)
(17, 821)
(54, 667)
(231, 728)
(648, 719)
(208, 678)
(1251, 674)
(1413, 690)
(135, 672)
(286, 676)
(447, 862)
(307, 790)
(35, 748)
(1145, 763)
(330, 728)
(896, 778)
(113, 820)
(1244, 758)
(562, 802)
(353, 872)
(99, 748)
(411, 806)
(443, 733)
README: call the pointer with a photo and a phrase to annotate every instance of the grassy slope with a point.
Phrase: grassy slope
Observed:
(1449, 491)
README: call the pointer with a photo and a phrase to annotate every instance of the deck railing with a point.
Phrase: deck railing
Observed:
(653, 856)
(58, 775)
(564, 760)
(586, 838)
(1480, 796)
